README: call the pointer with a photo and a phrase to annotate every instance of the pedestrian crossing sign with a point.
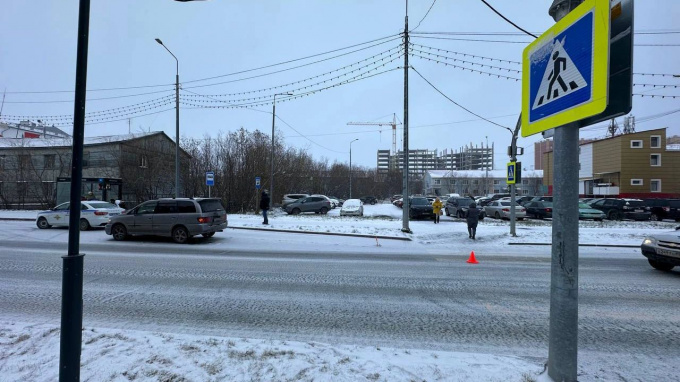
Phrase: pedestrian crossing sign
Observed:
(511, 173)
(566, 70)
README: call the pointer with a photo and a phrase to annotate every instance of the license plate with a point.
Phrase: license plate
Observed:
(113, 214)
(666, 252)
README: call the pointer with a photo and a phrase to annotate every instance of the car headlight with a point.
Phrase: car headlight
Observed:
(649, 241)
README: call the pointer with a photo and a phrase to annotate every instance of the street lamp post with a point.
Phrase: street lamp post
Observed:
(176, 119)
(271, 172)
(350, 167)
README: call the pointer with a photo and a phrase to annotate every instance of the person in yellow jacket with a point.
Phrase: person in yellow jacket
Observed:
(437, 209)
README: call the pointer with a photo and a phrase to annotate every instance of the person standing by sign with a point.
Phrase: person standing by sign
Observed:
(264, 206)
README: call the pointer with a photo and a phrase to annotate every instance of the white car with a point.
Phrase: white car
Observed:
(352, 207)
(93, 213)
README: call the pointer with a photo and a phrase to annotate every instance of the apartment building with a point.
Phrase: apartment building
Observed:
(634, 165)
(421, 160)
(30, 130)
(479, 182)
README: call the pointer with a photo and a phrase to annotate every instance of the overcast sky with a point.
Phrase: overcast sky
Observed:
(218, 38)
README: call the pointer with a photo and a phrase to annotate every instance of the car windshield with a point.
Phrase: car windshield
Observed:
(635, 203)
(352, 203)
(210, 205)
(508, 204)
(464, 202)
(102, 205)
(419, 201)
(584, 206)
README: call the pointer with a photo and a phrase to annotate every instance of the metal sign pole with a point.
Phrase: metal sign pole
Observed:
(563, 332)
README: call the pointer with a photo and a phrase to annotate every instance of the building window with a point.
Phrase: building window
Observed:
(525, 181)
(636, 144)
(655, 160)
(48, 162)
(636, 182)
(496, 182)
(24, 161)
(656, 185)
(525, 192)
(655, 141)
(86, 159)
(437, 182)
(143, 161)
(3, 158)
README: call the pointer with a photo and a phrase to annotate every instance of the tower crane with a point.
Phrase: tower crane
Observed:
(394, 129)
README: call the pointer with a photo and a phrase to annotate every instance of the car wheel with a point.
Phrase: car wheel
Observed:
(373, 203)
(119, 232)
(180, 235)
(660, 265)
(520, 218)
(497, 215)
(296, 211)
(613, 215)
(84, 225)
(209, 234)
(446, 211)
(460, 214)
(654, 218)
(324, 210)
(43, 224)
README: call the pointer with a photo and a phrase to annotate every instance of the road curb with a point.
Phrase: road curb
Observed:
(326, 233)
(18, 219)
(585, 245)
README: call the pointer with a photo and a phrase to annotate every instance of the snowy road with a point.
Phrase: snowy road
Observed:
(347, 290)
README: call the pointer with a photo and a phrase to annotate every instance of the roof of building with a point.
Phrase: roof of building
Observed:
(673, 147)
(65, 142)
(480, 173)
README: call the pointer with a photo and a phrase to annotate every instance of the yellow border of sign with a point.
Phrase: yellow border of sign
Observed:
(514, 179)
(598, 102)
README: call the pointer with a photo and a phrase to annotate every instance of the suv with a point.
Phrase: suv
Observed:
(661, 209)
(179, 218)
(369, 200)
(316, 204)
(617, 209)
(290, 198)
(457, 206)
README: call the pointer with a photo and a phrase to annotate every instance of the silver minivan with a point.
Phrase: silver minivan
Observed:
(180, 218)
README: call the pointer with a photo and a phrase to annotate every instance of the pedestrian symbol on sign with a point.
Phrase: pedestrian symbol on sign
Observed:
(561, 77)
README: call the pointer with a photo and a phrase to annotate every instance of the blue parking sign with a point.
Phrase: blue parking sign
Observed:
(257, 182)
(210, 178)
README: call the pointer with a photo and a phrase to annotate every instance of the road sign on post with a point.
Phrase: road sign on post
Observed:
(257, 183)
(566, 70)
(210, 178)
(511, 173)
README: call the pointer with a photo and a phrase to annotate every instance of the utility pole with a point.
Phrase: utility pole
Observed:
(73, 263)
(563, 333)
(271, 172)
(405, 212)
(513, 158)
(350, 167)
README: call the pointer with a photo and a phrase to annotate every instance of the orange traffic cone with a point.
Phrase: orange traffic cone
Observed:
(472, 259)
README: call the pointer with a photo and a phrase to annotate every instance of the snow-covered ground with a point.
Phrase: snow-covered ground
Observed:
(31, 353)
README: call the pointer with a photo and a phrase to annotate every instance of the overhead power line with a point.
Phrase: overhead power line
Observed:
(467, 54)
(459, 105)
(464, 68)
(465, 61)
(508, 20)
(426, 13)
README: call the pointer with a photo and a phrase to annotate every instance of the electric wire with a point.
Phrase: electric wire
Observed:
(304, 136)
(459, 105)
(468, 69)
(508, 20)
(426, 13)
(465, 61)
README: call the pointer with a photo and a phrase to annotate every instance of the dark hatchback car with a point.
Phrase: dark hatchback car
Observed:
(617, 209)
(316, 204)
(539, 209)
(419, 206)
(661, 209)
(458, 207)
(369, 200)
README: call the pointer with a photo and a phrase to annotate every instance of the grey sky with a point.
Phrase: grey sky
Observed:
(213, 38)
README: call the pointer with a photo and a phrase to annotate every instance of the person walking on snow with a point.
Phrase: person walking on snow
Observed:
(437, 209)
(264, 206)
(472, 217)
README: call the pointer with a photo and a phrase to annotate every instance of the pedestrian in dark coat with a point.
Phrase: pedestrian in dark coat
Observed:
(472, 217)
(264, 206)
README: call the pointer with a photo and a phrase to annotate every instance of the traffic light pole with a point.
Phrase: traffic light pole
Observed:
(405, 192)
(513, 187)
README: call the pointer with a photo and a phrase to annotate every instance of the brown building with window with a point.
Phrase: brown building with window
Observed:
(635, 165)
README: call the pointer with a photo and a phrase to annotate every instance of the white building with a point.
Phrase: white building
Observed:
(480, 182)
(30, 130)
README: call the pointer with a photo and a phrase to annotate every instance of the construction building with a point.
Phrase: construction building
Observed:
(421, 160)
(634, 165)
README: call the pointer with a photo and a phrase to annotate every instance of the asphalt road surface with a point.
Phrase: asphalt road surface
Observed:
(629, 315)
